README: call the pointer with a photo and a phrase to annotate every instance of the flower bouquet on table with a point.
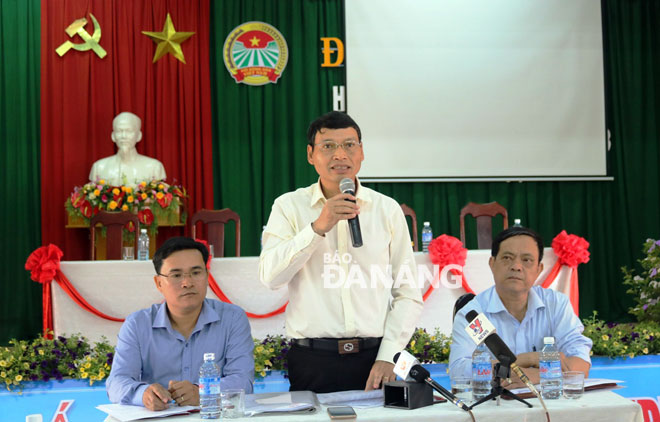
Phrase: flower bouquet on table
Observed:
(270, 354)
(152, 202)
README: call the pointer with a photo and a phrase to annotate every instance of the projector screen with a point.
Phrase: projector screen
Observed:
(473, 88)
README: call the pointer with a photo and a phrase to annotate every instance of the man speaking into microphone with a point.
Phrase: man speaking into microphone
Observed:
(345, 255)
(522, 313)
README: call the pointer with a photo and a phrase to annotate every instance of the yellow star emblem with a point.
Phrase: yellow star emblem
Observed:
(255, 41)
(168, 41)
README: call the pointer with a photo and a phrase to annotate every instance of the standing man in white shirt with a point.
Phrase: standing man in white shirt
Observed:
(350, 309)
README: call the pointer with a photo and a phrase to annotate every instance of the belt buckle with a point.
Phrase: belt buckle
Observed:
(348, 346)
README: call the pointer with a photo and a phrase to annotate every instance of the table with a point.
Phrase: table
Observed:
(601, 406)
(118, 288)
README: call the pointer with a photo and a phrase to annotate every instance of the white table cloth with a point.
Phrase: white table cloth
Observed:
(118, 288)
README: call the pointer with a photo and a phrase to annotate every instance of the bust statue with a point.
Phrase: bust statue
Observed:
(127, 167)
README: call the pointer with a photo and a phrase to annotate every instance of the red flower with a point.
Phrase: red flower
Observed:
(86, 209)
(76, 198)
(166, 200)
(130, 226)
(445, 250)
(570, 249)
(44, 263)
(177, 191)
(145, 216)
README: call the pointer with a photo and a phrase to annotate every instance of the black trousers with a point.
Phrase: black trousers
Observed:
(324, 371)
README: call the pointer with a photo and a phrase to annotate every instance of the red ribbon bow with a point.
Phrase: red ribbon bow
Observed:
(570, 249)
(447, 250)
(44, 263)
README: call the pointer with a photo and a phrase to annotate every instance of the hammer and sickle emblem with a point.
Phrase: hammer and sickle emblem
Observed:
(91, 41)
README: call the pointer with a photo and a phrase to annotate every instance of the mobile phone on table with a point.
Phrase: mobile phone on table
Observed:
(341, 412)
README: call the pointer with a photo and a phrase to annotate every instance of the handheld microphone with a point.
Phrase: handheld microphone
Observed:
(408, 367)
(480, 329)
(348, 186)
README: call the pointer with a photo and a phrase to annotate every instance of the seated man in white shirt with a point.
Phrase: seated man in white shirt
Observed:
(345, 329)
(522, 313)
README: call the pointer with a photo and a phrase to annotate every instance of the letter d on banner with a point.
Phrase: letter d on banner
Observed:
(328, 51)
(62, 409)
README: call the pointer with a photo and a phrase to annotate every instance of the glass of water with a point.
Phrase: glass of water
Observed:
(573, 384)
(461, 387)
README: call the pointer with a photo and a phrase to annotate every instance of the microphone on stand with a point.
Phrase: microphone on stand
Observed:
(480, 329)
(408, 368)
(348, 186)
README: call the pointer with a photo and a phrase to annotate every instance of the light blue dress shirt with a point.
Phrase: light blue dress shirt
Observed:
(549, 314)
(149, 350)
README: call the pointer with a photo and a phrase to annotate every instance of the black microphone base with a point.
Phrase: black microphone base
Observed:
(407, 395)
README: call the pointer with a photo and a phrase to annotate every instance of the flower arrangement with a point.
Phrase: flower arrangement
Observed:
(270, 353)
(429, 348)
(44, 359)
(622, 340)
(151, 201)
(646, 287)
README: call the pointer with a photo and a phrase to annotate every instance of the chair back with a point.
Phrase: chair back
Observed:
(215, 221)
(114, 223)
(462, 301)
(484, 214)
(409, 212)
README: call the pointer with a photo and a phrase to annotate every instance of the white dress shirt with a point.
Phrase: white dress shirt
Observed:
(331, 289)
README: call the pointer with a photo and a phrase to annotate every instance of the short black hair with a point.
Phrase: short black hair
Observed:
(516, 231)
(175, 244)
(331, 120)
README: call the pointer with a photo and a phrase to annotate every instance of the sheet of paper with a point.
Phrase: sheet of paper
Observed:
(279, 399)
(355, 398)
(589, 382)
(126, 413)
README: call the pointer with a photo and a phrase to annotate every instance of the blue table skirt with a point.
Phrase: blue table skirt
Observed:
(640, 376)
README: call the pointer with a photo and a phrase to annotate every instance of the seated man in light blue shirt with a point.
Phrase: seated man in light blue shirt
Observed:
(160, 349)
(522, 314)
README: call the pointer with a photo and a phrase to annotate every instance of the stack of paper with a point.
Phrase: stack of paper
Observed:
(126, 413)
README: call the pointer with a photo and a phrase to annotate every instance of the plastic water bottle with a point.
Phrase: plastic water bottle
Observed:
(482, 371)
(550, 370)
(209, 388)
(143, 246)
(427, 236)
(516, 223)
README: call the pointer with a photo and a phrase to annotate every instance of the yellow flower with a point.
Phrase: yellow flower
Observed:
(123, 188)
(144, 196)
(161, 186)
(268, 362)
(143, 184)
(106, 366)
(129, 189)
(632, 355)
(645, 350)
(160, 195)
(101, 182)
(88, 365)
(19, 378)
(412, 343)
(625, 347)
(115, 191)
(263, 373)
(271, 350)
(616, 343)
(129, 198)
(124, 207)
(101, 375)
(618, 332)
(591, 352)
(83, 375)
(3, 363)
(260, 349)
(3, 374)
(605, 337)
(26, 365)
(112, 205)
(41, 352)
(445, 351)
(97, 192)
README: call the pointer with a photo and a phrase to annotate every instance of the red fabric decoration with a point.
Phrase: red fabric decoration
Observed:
(571, 249)
(223, 297)
(44, 265)
(447, 250)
